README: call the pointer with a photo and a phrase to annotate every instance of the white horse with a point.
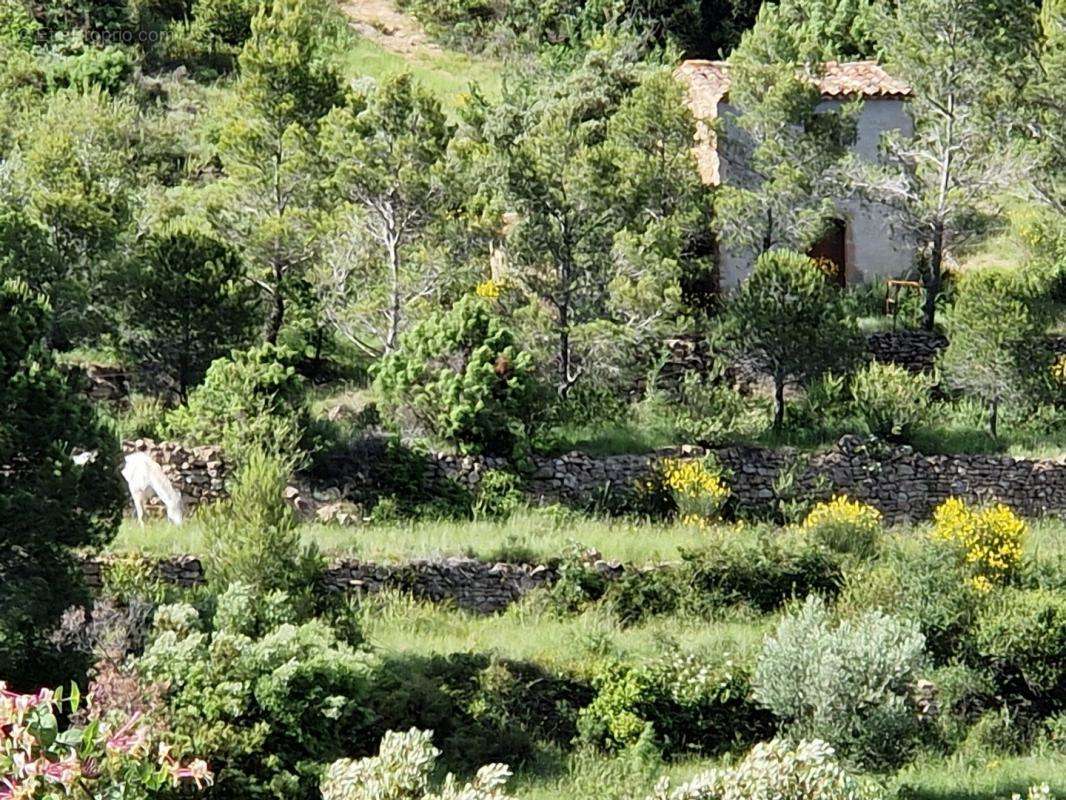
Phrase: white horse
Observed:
(146, 478)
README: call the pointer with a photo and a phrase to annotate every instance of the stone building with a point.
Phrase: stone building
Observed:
(860, 242)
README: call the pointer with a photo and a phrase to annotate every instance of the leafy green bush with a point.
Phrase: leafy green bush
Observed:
(226, 22)
(463, 378)
(267, 710)
(848, 684)
(402, 770)
(689, 701)
(105, 68)
(48, 504)
(763, 573)
(711, 412)
(252, 400)
(480, 708)
(1020, 638)
(809, 770)
(252, 537)
(186, 303)
(923, 581)
(499, 494)
(890, 400)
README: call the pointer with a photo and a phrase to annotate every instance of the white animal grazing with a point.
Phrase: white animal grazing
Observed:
(146, 478)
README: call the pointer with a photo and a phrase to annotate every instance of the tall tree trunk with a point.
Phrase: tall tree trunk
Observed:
(392, 250)
(993, 418)
(933, 277)
(779, 403)
(277, 304)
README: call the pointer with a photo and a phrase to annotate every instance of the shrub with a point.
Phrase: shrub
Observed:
(271, 708)
(848, 684)
(252, 537)
(461, 375)
(689, 701)
(697, 489)
(763, 573)
(890, 400)
(845, 526)
(145, 418)
(480, 708)
(711, 412)
(186, 303)
(990, 539)
(499, 494)
(922, 581)
(252, 400)
(792, 323)
(1020, 637)
(117, 757)
(807, 770)
(48, 504)
(105, 68)
(402, 771)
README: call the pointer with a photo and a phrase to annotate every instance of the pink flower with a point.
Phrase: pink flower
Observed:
(64, 772)
(129, 738)
(196, 771)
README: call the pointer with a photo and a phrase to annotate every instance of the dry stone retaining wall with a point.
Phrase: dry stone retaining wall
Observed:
(199, 473)
(471, 584)
(903, 484)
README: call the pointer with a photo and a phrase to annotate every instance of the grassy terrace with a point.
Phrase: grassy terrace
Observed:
(530, 536)
(447, 74)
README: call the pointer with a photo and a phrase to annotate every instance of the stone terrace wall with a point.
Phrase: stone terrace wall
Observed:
(903, 484)
(199, 473)
(472, 585)
(913, 350)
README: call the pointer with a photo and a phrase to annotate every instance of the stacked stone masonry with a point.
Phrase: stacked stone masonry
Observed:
(199, 473)
(472, 585)
(903, 484)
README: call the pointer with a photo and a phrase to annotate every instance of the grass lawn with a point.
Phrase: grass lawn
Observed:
(448, 75)
(397, 624)
(932, 779)
(528, 536)
(533, 536)
(981, 778)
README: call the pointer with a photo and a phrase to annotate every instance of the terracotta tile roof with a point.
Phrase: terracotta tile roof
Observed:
(708, 85)
(709, 80)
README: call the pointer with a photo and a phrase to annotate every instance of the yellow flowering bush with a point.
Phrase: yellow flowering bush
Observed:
(845, 525)
(989, 538)
(697, 489)
(490, 289)
(1058, 370)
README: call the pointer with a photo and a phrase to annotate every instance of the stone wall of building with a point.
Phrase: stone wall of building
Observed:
(472, 585)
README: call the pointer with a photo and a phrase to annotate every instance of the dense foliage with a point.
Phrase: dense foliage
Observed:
(850, 683)
(48, 504)
(328, 248)
(463, 376)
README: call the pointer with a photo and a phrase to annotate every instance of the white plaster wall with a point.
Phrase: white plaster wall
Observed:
(874, 248)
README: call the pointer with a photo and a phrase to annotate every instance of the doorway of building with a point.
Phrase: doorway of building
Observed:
(830, 252)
